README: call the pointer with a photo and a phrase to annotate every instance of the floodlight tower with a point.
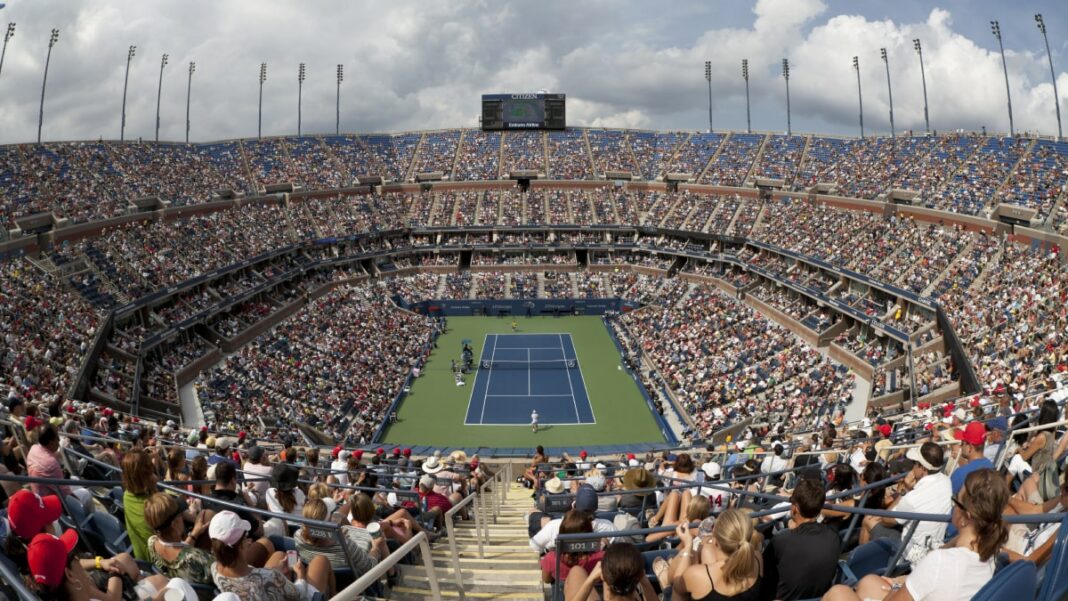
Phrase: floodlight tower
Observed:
(125, 84)
(995, 28)
(860, 98)
(159, 92)
(923, 78)
(786, 76)
(300, 93)
(1053, 75)
(188, 95)
(7, 36)
(708, 78)
(340, 77)
(48, 59)
(745, 76)
(889, 90)
(259, 122)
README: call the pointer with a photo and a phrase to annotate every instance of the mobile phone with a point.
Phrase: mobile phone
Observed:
(292, 558)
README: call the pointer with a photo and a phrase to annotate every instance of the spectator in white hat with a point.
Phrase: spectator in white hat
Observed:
(233, 574)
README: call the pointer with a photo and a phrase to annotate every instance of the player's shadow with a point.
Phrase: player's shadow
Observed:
(544, 428)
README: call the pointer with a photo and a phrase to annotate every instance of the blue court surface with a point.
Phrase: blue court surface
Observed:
(518, 373)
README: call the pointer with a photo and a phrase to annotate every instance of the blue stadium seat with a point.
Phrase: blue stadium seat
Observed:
(870, 558)
(1014, 583)
(1055, 580)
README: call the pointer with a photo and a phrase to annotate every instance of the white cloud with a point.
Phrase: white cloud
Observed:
(422, 65)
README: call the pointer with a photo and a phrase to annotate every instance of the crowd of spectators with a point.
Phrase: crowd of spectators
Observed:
(337, 366)
(478, 156)
(706, 347)
(611, 151)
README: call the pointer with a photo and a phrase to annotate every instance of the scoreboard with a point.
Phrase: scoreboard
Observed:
(523, 111)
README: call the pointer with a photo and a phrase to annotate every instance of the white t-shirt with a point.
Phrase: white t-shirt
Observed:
(772, 464)
(932, 494)
(534, 417)
(276, 507)
(339, 469)
(718, 499)
(954, 574)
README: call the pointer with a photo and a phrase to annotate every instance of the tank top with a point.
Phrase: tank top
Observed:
(750, 594)
(1045, 454)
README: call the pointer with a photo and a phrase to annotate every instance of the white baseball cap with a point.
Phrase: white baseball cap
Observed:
(712, 469)
(226, 527)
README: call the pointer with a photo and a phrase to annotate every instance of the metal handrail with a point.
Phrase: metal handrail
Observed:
(353, 591)
(450, 531)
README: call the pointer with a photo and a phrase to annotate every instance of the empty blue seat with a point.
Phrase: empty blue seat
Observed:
(1016, 582)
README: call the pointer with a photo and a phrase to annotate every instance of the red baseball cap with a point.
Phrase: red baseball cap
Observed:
(32, 423)
(885, 430)
(380, 451)
(396, 451)
(358, 454)
(203, 428)
(406, 452)
(43, 557)
(108, 412)
(242, 434)
(630, 456)
(974, 434)
(29, 513)
(336, 451)
(582, 453)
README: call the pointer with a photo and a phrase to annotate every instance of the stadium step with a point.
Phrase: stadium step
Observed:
(507, 569)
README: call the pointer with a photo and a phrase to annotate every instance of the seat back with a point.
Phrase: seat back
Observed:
(1015, 582)
(1055, 583)
(870, 558)
(111, 531)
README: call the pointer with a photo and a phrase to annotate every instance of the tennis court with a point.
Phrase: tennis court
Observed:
(520, 373)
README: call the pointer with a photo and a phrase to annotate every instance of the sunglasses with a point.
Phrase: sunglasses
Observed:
(957, 502)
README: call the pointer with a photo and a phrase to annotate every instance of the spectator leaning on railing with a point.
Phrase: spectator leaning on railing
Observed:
(928, 491)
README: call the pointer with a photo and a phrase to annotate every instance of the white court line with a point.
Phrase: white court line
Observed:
(528, 371)
(471, 397)
(574, 402)
(489, 376)
(526, 396)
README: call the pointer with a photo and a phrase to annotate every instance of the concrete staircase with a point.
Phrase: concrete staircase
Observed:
(507, 569)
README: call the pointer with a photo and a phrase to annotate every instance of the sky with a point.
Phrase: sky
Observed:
(416, 65)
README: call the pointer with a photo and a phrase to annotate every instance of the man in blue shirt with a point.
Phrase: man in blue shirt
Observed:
(972, 438)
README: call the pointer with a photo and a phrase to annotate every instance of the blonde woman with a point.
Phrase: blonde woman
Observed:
(730, 562)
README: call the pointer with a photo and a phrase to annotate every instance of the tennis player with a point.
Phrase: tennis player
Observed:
(515, 324)
(534, 420)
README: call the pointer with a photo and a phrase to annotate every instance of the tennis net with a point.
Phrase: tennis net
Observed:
(531, 365)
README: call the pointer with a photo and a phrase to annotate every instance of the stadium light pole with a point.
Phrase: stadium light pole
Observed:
(745, 76)
(300, 92)
(786, 76)
(48, 59)
(259, 122)
(125, 84)
(995, 28)
(7, 36)
(708, 78)
(860, 98)
(923, 78)
(889, 90)
(1053, 74)
(159, 92)
(188, 95)
(340, 78)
